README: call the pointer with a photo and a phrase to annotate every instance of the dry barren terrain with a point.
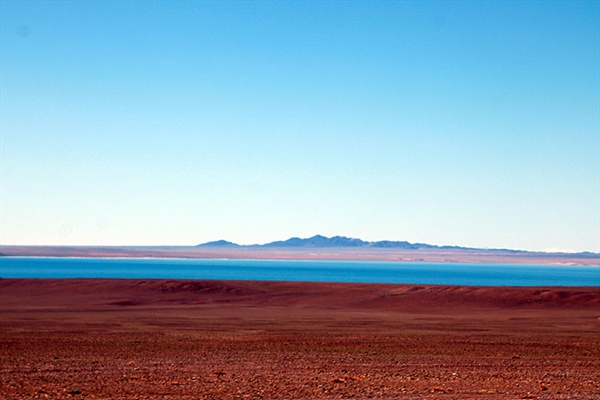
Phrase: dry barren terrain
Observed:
(174, 339)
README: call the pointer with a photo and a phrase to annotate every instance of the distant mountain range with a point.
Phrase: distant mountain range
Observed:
(342, 248)
(319, 241)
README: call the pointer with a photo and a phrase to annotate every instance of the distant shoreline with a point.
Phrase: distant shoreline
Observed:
(307, 253)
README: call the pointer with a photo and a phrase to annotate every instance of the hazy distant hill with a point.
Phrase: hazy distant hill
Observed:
(401, 245)
(316, 247)
(335, 241)
(219, 243)
(318, 241)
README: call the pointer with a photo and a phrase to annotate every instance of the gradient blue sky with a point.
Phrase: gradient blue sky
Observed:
(175, 123)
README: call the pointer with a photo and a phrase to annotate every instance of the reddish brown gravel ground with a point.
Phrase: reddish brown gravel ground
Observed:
(173, 339)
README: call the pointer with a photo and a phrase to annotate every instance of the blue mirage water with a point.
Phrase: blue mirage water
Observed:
(312, 271)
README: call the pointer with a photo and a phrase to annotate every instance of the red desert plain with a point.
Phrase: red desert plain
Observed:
(182, 339)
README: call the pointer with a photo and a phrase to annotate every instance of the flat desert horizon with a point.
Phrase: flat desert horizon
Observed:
(457, 255)
(204, 339)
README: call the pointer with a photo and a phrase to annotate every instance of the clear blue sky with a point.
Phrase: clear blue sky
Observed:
(179, 122)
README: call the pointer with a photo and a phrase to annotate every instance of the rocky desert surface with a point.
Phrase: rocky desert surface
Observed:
(176, 339)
